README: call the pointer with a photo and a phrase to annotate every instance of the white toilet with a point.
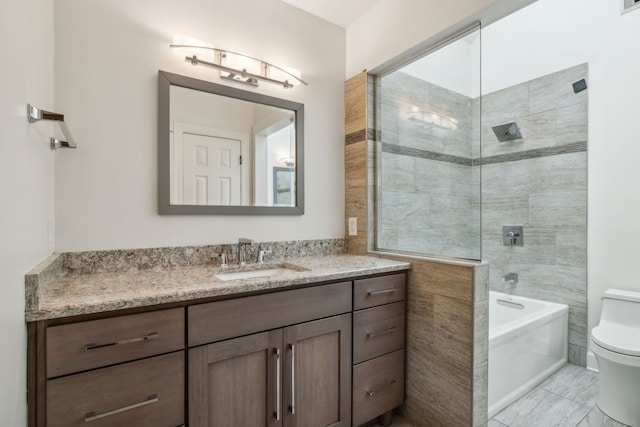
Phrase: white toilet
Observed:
(616, 344)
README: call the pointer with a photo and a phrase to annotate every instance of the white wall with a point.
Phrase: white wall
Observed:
(107, 54)
(454, 67)
(552, 35)
(392, 28)
(26, 182)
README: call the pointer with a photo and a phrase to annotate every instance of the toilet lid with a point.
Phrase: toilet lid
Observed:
(619, 338)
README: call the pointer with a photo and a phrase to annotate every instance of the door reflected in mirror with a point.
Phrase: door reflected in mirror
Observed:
(225, 150)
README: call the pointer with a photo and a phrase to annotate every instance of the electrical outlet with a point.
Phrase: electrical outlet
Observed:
(353, 226)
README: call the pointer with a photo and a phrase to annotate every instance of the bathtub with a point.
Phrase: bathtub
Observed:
(527, 343)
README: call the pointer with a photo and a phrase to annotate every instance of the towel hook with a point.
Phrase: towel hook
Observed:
(35, 114)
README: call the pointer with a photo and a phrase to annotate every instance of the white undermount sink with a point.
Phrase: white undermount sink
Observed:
(252, 274)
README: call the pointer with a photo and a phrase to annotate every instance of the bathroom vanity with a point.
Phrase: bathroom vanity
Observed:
(320, 345)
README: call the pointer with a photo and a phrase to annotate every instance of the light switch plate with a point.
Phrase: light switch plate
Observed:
(353, 226)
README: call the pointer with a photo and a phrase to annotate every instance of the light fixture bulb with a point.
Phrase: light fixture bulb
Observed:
(185, 46)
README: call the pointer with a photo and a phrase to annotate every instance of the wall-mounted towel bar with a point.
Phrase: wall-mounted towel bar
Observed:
(35, 115)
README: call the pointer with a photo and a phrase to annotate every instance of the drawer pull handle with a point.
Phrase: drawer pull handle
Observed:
(382, 291)
(377, 334)
(151, 336)
(384, 387)
(92, 416)
(278, 386)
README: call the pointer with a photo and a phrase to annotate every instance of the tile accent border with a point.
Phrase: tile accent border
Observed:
(424, 154)
(354, 137)
(360, 135)
(575, 147)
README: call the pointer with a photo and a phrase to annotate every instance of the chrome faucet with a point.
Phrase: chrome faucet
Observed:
(242, 251)
(222, 257)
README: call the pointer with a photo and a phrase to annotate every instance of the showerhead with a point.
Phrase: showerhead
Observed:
(507, 132)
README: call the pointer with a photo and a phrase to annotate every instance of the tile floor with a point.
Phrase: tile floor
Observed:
(565, 399)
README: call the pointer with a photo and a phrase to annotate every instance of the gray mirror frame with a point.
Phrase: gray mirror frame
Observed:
(165, 80)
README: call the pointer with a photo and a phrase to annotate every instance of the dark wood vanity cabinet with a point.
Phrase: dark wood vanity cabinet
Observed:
(126, 371)
(378, 347)
(294, 376)
(324, 355)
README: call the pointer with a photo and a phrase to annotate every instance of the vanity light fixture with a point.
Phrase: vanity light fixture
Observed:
(236, 66)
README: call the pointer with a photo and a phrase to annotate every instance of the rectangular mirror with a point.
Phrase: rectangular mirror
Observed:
(227, 151)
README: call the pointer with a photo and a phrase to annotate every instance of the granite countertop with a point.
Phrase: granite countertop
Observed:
(52, 292)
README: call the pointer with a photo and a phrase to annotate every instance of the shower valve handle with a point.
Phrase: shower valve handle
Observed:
(513, 236)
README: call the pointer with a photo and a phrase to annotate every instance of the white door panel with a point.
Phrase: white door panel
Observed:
(207, 167)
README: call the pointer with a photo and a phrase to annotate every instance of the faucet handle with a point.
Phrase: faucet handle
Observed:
(262, 253)
(222, 256)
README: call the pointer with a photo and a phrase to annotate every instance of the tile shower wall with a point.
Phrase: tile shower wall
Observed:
(539, 182)
(429, 198)
(430, 180)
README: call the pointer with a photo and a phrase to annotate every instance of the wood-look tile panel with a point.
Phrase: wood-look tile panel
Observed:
(440, 335)
(355, 116)
(356, 201)
(356, 195)
(455, 281)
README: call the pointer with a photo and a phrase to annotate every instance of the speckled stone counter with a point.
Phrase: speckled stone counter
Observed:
(54, 290)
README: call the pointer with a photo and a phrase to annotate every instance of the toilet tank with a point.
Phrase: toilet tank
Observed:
(619, 306)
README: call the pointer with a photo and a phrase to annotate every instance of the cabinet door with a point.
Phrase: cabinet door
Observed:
(317, 373)
(234, 382)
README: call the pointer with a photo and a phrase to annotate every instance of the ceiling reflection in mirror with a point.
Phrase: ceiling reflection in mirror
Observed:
(223, 150)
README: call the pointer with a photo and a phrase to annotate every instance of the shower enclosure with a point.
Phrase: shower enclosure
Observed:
(499, 177)
(428, 145)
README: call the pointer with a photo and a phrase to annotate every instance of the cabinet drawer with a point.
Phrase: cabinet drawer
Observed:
(378, 386)
(96, 343)
(378, 331)
(148, 392)
(378, 290)
(241, 316)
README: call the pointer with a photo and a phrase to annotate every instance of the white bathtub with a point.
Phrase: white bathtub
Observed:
(527, 343)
